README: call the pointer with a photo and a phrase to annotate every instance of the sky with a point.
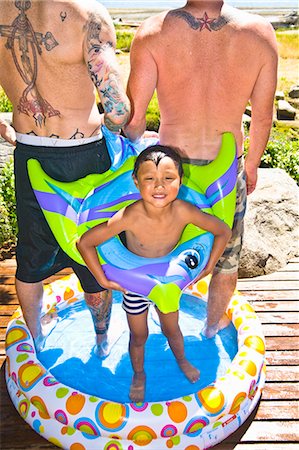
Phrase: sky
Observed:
(175, 3)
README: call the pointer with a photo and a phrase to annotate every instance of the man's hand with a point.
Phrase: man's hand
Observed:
(251, 177)
(150, 134)
(8, 133)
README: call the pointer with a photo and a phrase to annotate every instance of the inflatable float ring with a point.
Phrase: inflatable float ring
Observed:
(71, 208)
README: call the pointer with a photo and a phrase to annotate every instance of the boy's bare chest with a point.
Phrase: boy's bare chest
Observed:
(155, 239)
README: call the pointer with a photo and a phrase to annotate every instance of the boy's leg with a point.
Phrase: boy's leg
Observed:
(138, 336)
(170, 328)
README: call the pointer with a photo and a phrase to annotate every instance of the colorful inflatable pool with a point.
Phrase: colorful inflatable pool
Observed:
(194, 417)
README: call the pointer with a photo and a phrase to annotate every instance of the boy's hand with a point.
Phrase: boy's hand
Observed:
(113, 285)
(206, 271)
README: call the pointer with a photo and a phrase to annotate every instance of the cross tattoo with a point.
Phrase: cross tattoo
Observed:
(25, 58)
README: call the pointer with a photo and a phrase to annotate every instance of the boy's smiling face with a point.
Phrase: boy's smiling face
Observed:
(158, 184)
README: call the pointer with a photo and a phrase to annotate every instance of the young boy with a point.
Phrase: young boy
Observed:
(153, 226)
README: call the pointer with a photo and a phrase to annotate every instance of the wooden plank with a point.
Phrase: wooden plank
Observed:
(282, 342)
(284, 410)
(4, 321)
(282, 357)
(7, 310)
(291, 267)
(270, 295)
(274, 306)
(280, 391)
(272, 431)
(8, 263)
(263, 446)
(278, 317)
(274, 285)
(281, 330)
(7, 295)
(7, 279)
(282, 275)
(282, 373)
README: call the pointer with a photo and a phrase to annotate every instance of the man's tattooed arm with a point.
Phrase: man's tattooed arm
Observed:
(103, 70)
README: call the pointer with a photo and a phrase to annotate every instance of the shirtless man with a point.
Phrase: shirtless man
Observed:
(207, 60)
(54, 56)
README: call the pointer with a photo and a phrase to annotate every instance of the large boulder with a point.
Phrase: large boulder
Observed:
(6, 149)
(271, 224)
(285, 111)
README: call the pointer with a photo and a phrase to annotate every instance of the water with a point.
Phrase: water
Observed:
(69, 353)
(138, 10)
(269, 4)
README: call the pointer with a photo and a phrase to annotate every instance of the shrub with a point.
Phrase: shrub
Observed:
(8, 201)
(5, 104)
(124, 40)
(5, 228)
(153, 115)
(281, 152)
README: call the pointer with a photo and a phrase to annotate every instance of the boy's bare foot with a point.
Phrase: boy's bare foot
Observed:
(137, 388)
(190, 371)
(211, 331)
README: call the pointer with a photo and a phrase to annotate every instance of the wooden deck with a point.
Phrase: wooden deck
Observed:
(275, 423)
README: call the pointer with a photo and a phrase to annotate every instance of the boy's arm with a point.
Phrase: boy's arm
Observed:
(219, 229)
(99, 54)
(87, 248)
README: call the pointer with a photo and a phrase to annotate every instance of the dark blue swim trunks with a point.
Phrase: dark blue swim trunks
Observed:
(38, 253)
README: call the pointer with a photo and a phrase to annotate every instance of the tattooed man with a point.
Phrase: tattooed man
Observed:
(206, 61)
(55, 55)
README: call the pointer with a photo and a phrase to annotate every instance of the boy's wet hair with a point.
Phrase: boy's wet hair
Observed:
(157, 152)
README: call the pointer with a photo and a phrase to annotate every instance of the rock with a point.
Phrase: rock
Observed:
(6, 152)
(6, 149)
(6, 116)
(294, 92)
(279, 95)
(285, 111)
(271, 224)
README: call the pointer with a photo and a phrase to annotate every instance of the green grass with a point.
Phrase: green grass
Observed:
(153, 114)
(124, 39)
(5, 104)
(288, 43)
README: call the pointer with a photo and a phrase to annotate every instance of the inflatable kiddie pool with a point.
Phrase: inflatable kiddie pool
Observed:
(53, 390)
(194, 417)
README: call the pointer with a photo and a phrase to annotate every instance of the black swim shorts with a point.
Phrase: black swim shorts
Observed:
(38, 253)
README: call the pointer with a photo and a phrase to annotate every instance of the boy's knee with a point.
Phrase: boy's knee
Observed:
(139, 339)
(171, 333)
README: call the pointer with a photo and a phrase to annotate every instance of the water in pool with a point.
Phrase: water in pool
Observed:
(69, 353)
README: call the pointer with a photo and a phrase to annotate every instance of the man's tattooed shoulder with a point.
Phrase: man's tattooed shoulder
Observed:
(201, 23)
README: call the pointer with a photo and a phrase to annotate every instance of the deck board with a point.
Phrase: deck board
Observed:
(274, 425)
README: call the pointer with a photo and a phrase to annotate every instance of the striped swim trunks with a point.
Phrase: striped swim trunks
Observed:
(135, 303)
